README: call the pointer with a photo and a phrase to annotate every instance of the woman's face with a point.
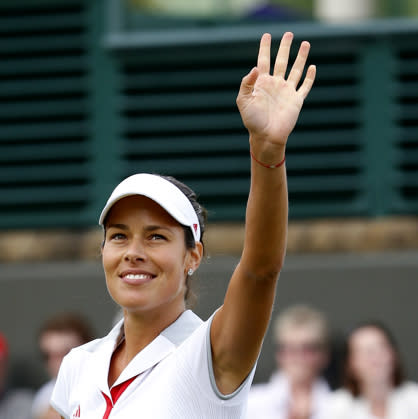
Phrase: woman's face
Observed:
(145, 257)
(371, 356)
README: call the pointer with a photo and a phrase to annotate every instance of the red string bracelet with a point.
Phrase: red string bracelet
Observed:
(269, 166)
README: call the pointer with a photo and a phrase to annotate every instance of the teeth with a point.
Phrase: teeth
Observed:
(137, 276)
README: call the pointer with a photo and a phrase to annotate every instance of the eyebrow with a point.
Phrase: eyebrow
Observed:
(156, 227)
(147, 228)
(119, 226)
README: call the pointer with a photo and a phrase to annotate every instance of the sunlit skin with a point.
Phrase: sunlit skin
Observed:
(371, 357)
(142, 238)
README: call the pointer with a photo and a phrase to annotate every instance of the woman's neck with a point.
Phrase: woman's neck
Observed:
(377, 394)
(299, 387)
(141, 329)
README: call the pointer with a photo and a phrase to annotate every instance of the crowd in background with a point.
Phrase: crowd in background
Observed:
(372, 383)
(57, 336)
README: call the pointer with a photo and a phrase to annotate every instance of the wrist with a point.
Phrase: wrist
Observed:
(267, 154)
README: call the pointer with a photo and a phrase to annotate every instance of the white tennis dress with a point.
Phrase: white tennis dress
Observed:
(172, 377)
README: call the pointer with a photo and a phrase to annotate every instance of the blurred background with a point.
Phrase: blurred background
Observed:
(92, 91)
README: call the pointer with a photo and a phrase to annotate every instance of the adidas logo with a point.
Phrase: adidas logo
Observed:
(77, 413)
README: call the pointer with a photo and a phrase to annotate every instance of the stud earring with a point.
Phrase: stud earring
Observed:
(190, 272)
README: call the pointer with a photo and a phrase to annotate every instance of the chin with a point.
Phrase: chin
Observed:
(130, 301)
(299, 378)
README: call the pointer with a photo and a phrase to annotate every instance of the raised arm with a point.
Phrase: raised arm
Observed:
(269, 107)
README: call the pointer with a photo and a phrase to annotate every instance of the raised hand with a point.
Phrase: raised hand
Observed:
(270, 104)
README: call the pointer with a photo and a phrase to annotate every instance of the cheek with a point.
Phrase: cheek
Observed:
(172, 259)
(110, 260)
(359, 364)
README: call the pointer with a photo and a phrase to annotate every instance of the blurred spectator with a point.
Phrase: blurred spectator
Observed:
(373, 379)
(14, 404)
(57, 337)
(295, 390)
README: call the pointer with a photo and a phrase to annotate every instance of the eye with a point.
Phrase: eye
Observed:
(117, 236)
(156, 237)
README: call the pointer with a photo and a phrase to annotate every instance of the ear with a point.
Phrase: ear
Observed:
(195, 256)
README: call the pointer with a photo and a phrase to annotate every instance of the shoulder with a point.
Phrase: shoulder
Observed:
(84, 351)
(339, 405)
(340, 402)
(79, 360)
(193, 359)
(342, 396)
(408, 391)
(184, 328)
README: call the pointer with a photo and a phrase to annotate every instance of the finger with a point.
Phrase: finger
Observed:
(282, 57)
(306, 86)
(299, 64)
(263, 62)
(247, 84)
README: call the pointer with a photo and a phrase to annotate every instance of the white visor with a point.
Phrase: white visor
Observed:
(160, 190)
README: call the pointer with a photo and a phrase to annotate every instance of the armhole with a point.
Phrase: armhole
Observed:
(212, 375)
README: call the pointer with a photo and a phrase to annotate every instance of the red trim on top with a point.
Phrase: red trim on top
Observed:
(115, 392)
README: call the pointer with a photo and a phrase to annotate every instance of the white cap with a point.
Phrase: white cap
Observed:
(160, 190)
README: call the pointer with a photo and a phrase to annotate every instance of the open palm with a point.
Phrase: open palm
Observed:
(270, 104)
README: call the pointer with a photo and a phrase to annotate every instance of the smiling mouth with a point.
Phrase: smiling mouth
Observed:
(137, 279)
(138, 276)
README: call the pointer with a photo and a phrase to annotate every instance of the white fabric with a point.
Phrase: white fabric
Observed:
(403, 404)
(41, 400)
(160, 190)
(271, 400)
(174, 378)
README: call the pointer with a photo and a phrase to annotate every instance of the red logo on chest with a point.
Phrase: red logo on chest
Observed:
(77, 413)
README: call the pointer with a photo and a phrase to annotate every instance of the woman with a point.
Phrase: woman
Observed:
(162, 361)
(373, 380)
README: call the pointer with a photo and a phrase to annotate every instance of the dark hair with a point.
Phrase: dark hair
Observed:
(68, 323)
(349, 380)
(190, 295)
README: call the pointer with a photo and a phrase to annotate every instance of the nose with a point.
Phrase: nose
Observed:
(135, 252)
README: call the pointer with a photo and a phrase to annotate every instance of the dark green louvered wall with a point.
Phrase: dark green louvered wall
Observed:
(81, 107)
(44, 114)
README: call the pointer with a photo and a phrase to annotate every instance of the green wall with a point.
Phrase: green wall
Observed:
(91, 92)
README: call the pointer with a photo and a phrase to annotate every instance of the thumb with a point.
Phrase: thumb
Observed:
(247, 83)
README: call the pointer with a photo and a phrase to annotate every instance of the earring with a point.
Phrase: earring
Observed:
(190, 272)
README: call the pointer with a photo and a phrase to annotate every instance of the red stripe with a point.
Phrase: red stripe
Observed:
(115, 392)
